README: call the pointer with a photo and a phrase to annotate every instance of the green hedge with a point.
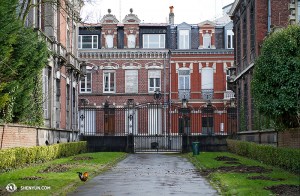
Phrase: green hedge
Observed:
(285, 158)
(13, 157)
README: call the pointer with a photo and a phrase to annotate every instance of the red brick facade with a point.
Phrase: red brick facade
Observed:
(251, 23)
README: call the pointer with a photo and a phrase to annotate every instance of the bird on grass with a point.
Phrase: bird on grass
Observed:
(83, 177)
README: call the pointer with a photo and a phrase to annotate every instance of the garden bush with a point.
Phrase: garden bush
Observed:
(14, 157)
(285, 158)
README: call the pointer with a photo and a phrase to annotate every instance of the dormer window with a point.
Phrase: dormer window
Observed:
(206, 40)
(184, 39)
(109, 41)
(154, 41)
(230, 38)
(131, 41)
(87, 41)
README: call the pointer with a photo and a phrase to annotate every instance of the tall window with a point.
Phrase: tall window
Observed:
(252, 27)
(230, 38)
(154, 41)
(298, 12)
(154, 80)
(206, 40)
(131, 81)
(87, 41)
(109, 41)
(131, 41)
(207, 78)
(184, 79)
(184, 39)
(86, 84)
(245, 35)
(109, 82)
(46, 73)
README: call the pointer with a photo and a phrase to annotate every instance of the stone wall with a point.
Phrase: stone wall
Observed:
(16, 135)
(289, 138)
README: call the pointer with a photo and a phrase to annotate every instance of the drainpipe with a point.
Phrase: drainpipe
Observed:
(269, 15)
(170, 90)
(165, 124)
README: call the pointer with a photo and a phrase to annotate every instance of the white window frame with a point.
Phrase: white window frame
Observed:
(184, 76)
(231, 34)
(183, 35)
(154, 74)
(80, 41)
(208, 38)
(147, 36)
(110, 72)
(86, 89)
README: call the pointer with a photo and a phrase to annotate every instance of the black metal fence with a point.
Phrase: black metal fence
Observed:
(156, 127)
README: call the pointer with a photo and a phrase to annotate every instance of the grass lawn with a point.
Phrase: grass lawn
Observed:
(237, 183)
(62, 182)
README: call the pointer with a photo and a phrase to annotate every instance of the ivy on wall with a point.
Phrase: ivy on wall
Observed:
(276, 80)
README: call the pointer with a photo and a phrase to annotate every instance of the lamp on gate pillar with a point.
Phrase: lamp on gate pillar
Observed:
(184, 103)
(130, 102)
(157, 95)
(209, 104)
(232, 102)
(83, 69)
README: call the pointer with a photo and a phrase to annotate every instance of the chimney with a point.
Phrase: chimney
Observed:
(171, 16)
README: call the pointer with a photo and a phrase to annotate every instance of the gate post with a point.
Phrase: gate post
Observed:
(185, 143)
(130, 143)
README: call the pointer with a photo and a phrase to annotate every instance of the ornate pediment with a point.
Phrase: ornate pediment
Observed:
(154, 65)
(109, 65)
(109, 19)
(131, 65)
(207, 23)
(184, 25)
(131, 19)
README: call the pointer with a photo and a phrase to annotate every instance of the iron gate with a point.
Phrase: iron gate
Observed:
(151, 129)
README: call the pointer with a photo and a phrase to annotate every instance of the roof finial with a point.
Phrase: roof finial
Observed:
(131, 10)
(109, 10)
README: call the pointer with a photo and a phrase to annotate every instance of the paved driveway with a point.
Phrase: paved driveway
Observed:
(148, 174)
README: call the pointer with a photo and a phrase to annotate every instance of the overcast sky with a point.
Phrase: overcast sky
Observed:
(156, 11)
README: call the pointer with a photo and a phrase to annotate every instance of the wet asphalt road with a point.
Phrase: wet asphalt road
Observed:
(148, 174)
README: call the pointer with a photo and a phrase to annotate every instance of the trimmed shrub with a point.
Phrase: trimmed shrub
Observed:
(14, 157)
(285, 158)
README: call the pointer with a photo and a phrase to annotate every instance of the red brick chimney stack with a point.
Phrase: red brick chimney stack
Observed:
(171, 16)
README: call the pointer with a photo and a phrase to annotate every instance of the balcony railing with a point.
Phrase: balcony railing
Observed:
(184, 93)
(61, 51)
(228, 95)
(207, 93)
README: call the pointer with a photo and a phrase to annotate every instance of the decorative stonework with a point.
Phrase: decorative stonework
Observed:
(292, 6)
(131, 19)
(109, 19)
(207, 23)
(131, 65)
(154, 65)
(109, 65)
